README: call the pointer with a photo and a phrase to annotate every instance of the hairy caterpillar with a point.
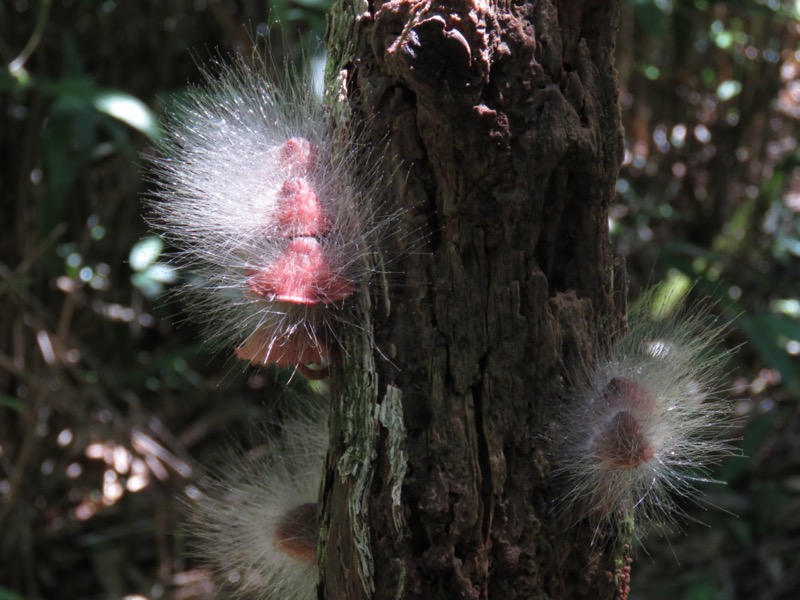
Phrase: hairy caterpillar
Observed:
(273, 216)
(644, 425)
(256, 521)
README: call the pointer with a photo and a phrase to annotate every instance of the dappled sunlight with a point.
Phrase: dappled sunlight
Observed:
(111, 409)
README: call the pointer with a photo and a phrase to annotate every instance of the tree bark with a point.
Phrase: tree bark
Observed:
(504, 121)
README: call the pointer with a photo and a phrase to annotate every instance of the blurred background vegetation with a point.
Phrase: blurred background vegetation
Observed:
(108, 403)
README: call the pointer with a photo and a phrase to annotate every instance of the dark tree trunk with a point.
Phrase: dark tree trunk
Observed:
(504, 119)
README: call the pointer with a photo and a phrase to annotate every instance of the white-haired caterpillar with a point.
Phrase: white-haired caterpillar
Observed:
(644, 424)
(272, 215)
(256, 522)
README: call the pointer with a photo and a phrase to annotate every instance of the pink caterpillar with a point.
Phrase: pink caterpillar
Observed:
(273, 217)
(644, 423)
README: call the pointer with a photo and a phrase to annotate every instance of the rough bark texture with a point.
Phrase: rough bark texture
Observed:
(505, 119)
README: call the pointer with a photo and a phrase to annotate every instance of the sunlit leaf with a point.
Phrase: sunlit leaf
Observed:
(728, 89)
(163, 273)
(788, 306)
(669, 294)
(129, 110)
(145, 253)
(149, 287)
(652, 72)
(787, 244)
(724, 39)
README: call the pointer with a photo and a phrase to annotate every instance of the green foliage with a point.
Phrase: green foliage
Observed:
(708, 194)
(151, 274)
(6, 594)
(99, 396)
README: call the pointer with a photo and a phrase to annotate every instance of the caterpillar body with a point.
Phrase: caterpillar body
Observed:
(273, 216)
(645, 424)
(256, 521)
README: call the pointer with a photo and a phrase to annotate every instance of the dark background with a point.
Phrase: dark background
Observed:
(109, 404)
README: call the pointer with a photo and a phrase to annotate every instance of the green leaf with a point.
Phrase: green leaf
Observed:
(6, 594)
(162, 273)
(787, 306)
(758, 430)
(728, 89)
(145, 252)
(764, 331)
(669, 294)
(319, 5)
(128, 109)
(14, 404)
(74, 94)
(654, 20)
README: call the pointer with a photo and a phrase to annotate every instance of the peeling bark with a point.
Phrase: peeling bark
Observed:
(505, 118)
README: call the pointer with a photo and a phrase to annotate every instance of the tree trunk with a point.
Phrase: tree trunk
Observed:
(504, 121)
